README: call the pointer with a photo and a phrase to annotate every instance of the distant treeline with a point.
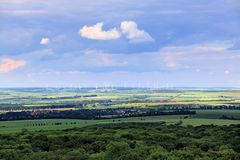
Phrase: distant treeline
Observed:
(67, 97)
(108, 103)
(200, 107)
(92, 113)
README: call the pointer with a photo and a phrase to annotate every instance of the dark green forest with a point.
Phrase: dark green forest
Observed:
(125, 141)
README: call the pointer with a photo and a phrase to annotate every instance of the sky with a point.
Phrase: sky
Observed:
(128, 43)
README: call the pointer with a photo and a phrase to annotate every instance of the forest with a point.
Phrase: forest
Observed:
(125, 141)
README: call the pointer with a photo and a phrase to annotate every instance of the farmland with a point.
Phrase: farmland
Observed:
(40, 98)
(212, 106)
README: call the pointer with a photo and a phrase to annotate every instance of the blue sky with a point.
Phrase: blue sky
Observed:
(139, 43)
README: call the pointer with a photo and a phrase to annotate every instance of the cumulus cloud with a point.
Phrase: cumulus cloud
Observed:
(127, 28)
(97, 33)
(8, 65)
(45, 41)
(135, 35)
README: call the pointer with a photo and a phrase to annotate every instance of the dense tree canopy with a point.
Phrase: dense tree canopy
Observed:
(126, 141)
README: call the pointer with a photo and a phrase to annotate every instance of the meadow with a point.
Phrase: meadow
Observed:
(60, 124)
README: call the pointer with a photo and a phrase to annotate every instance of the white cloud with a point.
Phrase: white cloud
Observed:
(135, 35)
(8, 65)
(44, 41)
(95, 32)
(128, 28)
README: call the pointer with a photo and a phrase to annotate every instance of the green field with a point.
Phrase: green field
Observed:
(50, 124)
